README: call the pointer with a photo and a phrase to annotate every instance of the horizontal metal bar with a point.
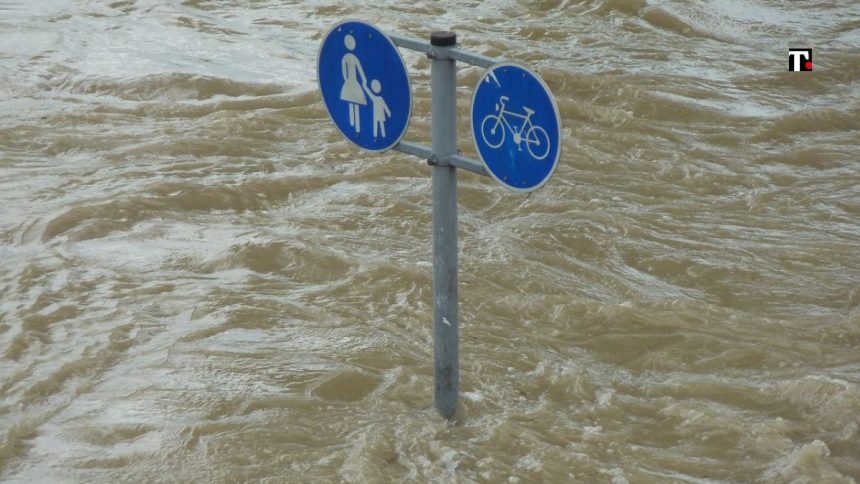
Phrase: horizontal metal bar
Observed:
(455, 53)
(467, 164)
(410, 43)
(472, 58)
(425, 152)
(414, 149)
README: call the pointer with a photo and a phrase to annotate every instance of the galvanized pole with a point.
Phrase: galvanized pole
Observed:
(446, 351)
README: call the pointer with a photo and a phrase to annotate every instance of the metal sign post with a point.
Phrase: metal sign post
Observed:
(351, 54)
(446, 334)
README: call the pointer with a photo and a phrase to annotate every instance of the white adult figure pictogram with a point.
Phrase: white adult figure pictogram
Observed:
(352, 91)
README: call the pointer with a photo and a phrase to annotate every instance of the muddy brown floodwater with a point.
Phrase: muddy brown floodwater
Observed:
(201, 281)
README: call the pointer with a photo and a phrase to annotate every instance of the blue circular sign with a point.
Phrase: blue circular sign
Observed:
(364, 85)
(516, 127)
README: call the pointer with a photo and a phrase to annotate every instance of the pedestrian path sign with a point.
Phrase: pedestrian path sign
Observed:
(516, 127)
(364, 85)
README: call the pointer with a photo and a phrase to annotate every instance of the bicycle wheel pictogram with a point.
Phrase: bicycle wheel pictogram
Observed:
(537, 142)
(493, 131)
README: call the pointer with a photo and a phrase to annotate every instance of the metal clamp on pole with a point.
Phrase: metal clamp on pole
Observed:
(446, 338)
(455, 53)
(426, 153)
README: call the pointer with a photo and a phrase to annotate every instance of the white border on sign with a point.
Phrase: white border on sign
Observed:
(557, 118)
(408, 82)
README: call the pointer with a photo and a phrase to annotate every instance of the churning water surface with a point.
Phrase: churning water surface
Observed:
(200, 280)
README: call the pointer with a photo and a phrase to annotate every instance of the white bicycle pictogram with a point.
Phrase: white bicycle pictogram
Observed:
(493, 130)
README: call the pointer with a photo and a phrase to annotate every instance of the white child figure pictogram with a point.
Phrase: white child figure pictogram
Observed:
(380, 108)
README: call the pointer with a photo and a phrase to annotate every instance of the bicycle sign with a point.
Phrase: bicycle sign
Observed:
(516, 127)
(493, 130)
